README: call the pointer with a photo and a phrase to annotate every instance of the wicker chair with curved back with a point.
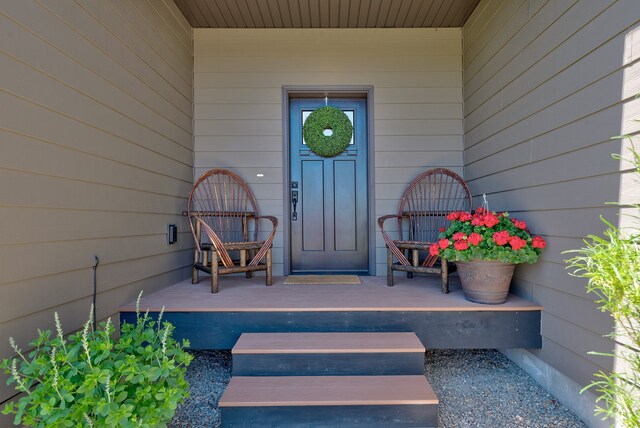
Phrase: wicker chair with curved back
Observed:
(224, 220)
(422, 211)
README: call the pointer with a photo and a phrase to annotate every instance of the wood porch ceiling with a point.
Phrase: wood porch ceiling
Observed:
(326, 13)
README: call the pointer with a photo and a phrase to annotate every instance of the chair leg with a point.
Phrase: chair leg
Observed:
(194, 272)
(410, 274)
(389, 268)
(249, 257)
(269, 270)
(444, 271)
(214, 271)
(243, 260)
(415, 260)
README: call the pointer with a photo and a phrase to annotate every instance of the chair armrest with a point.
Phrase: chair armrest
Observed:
(387, 239)
(273, 220)
(384, 218)
(192, 226)
(268, 242)
(217, 243)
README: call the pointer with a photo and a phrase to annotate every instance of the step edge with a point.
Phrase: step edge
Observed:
(330, 333)
(424, 395)
(330, 351)
(310, 403)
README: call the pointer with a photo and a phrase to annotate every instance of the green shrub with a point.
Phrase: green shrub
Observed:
(94, 380)
(611, 264)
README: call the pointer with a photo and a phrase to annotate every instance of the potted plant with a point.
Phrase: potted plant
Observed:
(486, 247)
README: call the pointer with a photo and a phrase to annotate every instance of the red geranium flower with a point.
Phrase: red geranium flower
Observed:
(459, 236)
(477, 221)
(517, 242)
(538, 242)
(442, 229)
(443, 243)
(453, 216)
(434, 250)
(519, 224)
(465, 216)
(474, 238)
(501, 238)
(490, 220)
(479, 210)
(461, 245)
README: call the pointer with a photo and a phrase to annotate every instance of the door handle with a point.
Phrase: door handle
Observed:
(294, 201)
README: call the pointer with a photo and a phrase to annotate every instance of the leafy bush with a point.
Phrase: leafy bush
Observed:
(94, 380)
(612, 266)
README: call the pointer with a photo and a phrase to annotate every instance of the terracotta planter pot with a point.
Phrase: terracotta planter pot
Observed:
(485, 281)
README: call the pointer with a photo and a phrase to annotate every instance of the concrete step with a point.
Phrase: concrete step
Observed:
(329, 401)
(326, 354)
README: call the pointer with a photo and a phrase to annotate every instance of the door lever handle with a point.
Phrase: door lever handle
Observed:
(294, 201)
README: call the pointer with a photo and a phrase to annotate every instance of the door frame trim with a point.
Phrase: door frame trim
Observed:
(365, 91)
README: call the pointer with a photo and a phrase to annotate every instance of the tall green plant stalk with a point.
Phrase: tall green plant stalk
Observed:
(93, 379)
(611, 264)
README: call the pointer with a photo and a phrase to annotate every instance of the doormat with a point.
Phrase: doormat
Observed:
(322, 280)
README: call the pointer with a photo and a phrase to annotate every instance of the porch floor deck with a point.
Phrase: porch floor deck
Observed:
(215, 321)
(239, 294)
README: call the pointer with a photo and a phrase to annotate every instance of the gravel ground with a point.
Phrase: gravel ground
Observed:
(208, 374)
(483, 388)
(476, 388)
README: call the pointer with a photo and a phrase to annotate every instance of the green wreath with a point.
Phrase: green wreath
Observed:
(327, 118)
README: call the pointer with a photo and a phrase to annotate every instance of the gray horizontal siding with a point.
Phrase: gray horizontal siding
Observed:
(417, 81)
(547, 84)
(96, 158)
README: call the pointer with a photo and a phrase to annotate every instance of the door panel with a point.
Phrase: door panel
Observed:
(329, 221)
(312, 216)
(345, 212)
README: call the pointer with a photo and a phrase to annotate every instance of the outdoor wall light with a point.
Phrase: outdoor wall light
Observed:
(259, 174)
(172, 234)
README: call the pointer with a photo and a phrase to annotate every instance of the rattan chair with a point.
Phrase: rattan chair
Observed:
(422, 213)
(224, 220)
